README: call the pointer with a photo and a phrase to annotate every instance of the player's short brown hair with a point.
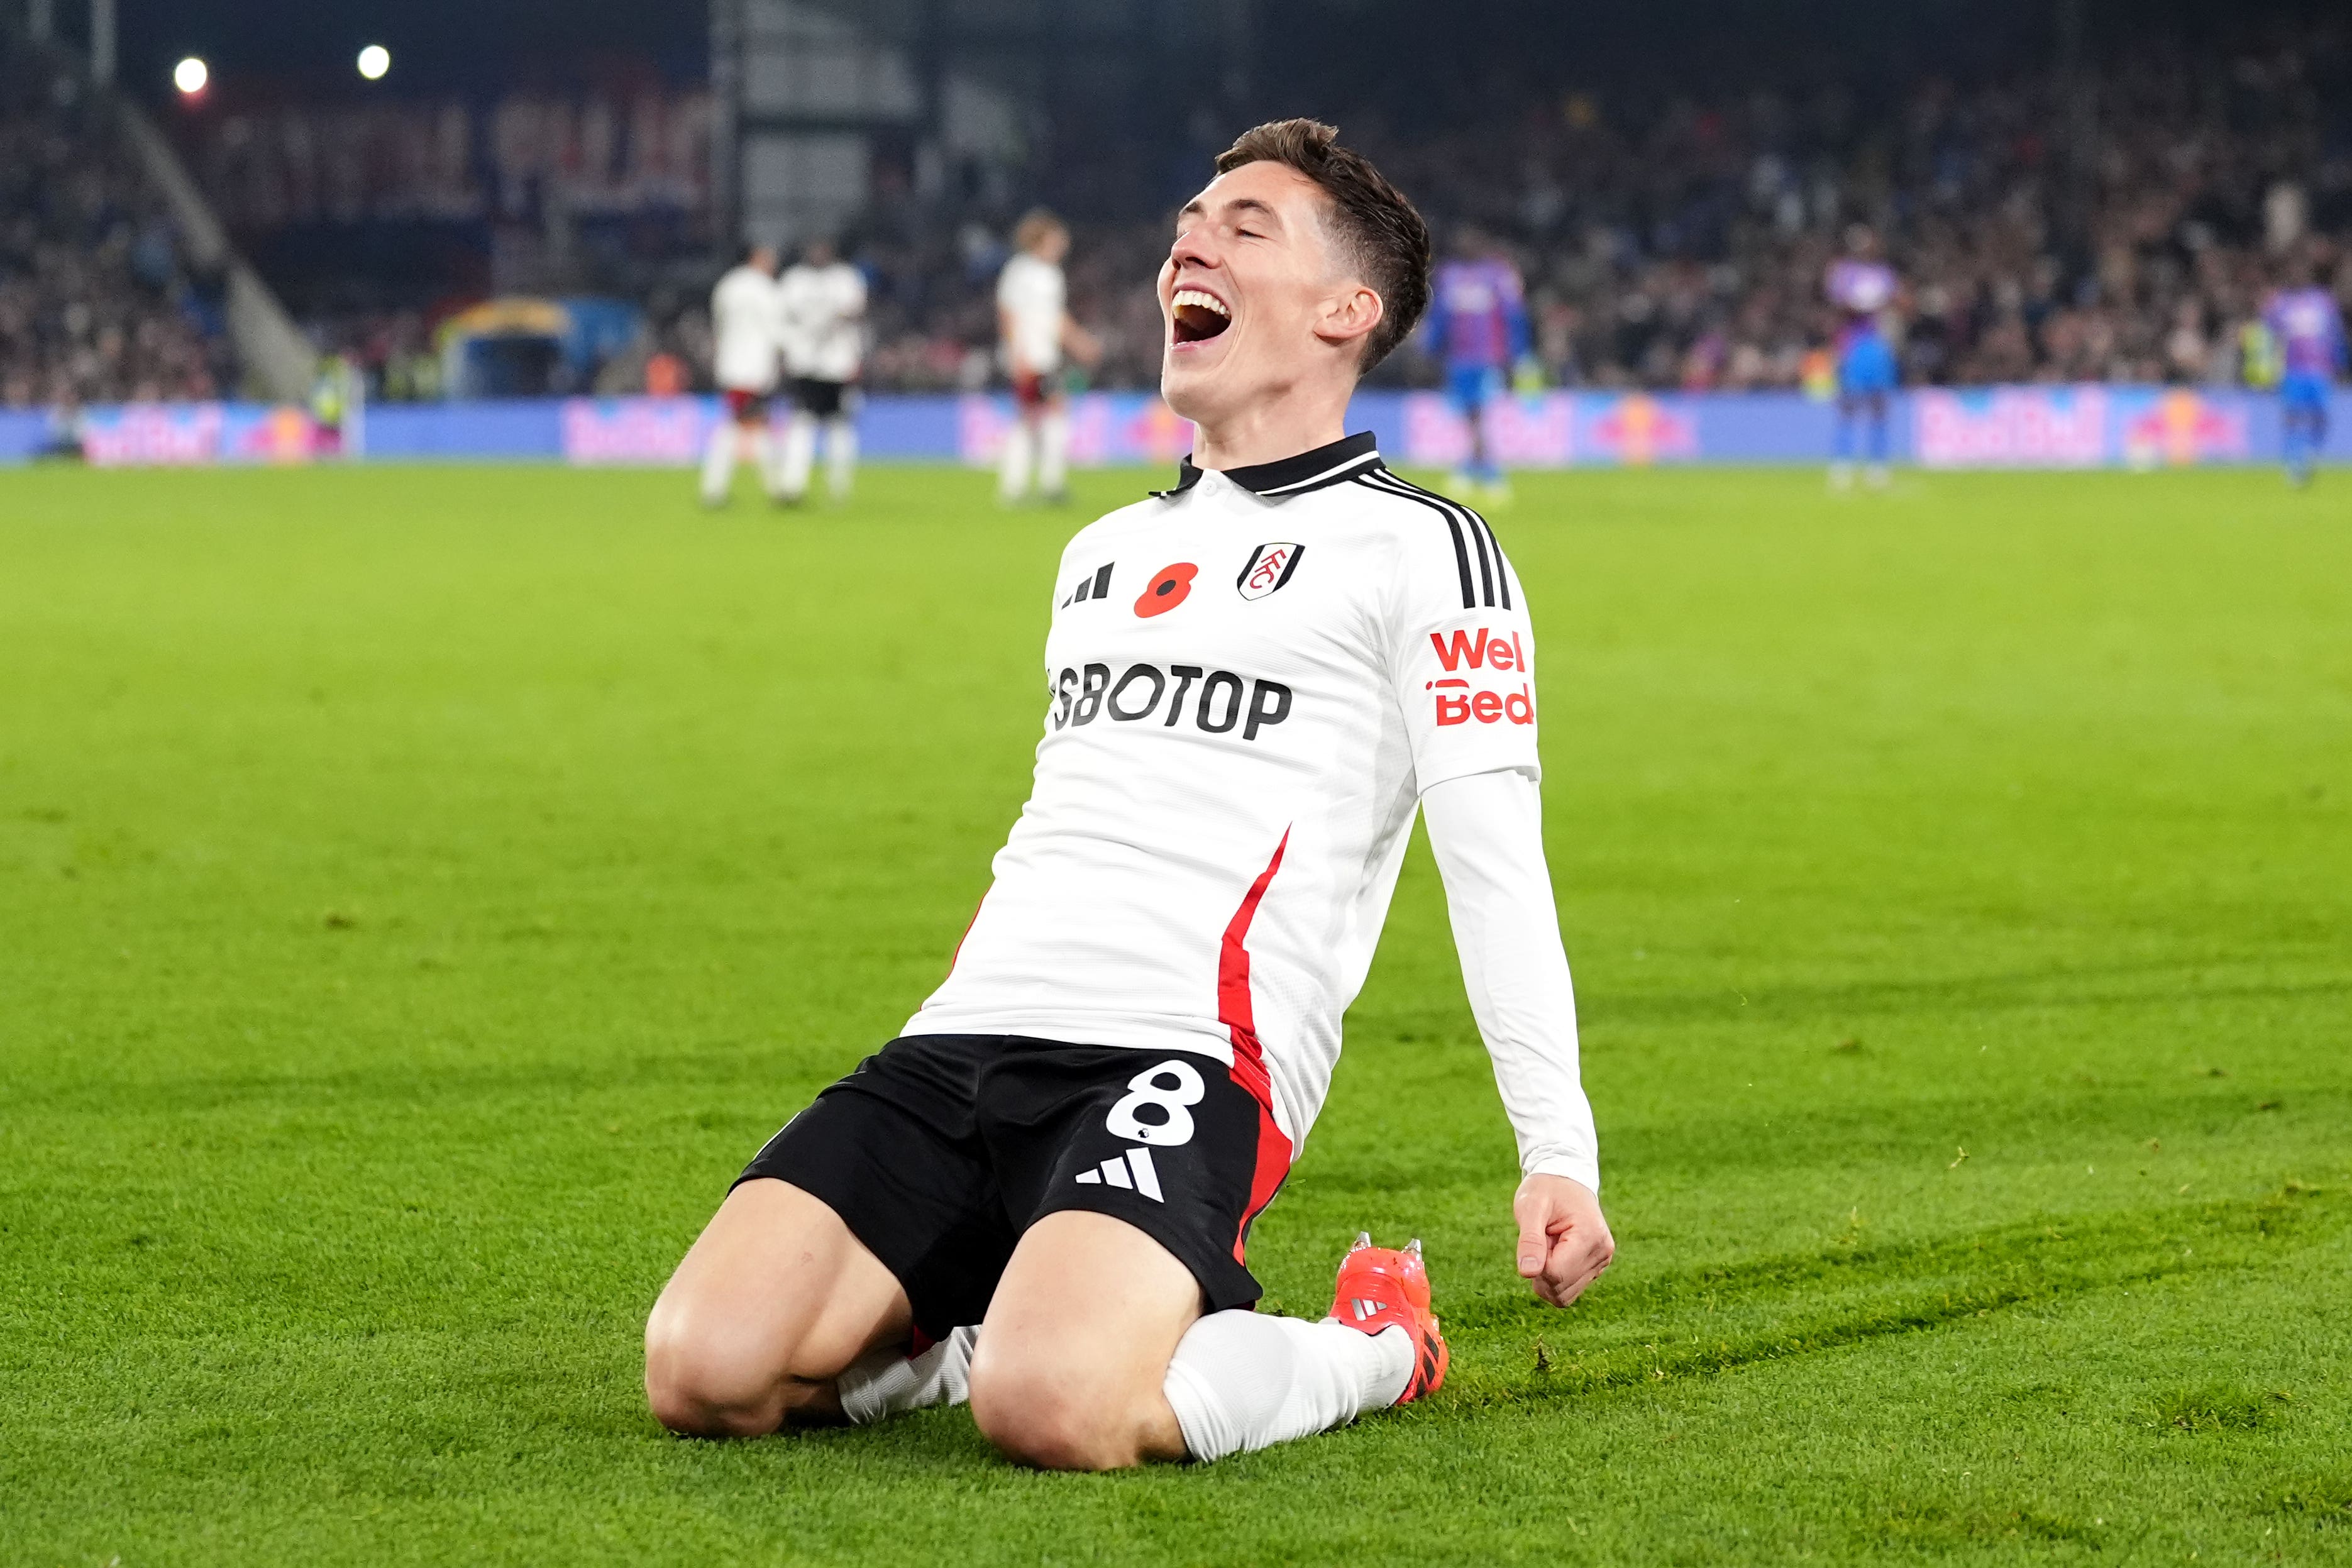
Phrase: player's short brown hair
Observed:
(1383, 232)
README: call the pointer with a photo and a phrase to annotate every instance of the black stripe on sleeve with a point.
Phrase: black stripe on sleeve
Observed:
(1485, 573)
(1405, 492)
(1499, 586)
(1502, 567)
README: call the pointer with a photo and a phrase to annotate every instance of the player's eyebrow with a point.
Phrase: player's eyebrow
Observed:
(1197, 208)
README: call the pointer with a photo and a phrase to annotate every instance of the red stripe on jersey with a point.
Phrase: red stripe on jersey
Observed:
(1238, 1014)
(967, 928)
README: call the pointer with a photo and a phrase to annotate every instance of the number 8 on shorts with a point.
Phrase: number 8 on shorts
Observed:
(1153, 1087)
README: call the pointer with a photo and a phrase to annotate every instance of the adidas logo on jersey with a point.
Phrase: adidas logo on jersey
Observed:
(1134, 1174)
(1095, 584)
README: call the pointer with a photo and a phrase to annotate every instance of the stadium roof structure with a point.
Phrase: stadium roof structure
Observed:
(961, 92)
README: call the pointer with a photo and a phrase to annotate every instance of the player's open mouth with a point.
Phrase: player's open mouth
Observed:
(1195, 314)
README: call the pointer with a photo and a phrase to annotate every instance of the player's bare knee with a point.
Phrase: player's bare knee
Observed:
(699, 1394)
(1053, 1436)
(701, 1386)
(1055, 1423)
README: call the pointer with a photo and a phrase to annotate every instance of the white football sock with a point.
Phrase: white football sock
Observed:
(719, 463)
(886, 1383)
(1012, 468)
(761, 453)
(800, 453)
(1054, 451)
(1241, 1380)
(840, 455)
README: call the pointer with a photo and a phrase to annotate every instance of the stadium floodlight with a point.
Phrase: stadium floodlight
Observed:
(374, 60)
(190, 76)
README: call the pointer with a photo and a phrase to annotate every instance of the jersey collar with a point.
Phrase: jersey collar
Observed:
(1326, 465)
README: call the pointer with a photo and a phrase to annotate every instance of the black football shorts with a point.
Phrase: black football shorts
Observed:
(940, 1149)
(821, 399)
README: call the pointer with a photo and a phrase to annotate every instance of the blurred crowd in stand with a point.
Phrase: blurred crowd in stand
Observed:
(96, 305)
(2118, 221)
(635, 151)
(376, 220)
(2119, 224)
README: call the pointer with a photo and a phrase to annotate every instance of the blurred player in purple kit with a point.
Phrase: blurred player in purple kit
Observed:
(1478, 326)
(1861, 287)
(2308, 324)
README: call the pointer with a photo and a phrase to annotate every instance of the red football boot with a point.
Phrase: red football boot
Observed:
(1379, 1289)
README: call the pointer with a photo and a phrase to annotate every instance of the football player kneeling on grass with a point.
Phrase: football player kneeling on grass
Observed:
(1039, 1196)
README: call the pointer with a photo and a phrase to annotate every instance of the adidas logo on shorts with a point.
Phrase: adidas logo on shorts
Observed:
(1134, 1173)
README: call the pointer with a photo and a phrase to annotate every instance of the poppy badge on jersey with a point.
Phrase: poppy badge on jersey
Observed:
(1171, 586)
(1268, 568)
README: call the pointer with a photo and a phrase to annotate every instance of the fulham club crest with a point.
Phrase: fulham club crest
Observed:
(1270, 566)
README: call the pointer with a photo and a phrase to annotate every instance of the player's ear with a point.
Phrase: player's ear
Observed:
(1349, 315)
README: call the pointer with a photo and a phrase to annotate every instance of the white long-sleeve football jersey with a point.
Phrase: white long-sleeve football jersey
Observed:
(1252, 679)
(1032, 295)
(823, 310)
(744, 328)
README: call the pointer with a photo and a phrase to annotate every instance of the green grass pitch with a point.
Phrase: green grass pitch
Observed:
(420, 889)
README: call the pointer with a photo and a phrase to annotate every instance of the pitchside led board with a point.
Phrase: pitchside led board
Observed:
(2000, 426)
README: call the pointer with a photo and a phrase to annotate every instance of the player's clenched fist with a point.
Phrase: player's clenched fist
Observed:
(1564, 1242)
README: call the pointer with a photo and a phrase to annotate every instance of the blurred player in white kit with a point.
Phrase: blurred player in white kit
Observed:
(744, 325)
(1032, 321)
(822, 304)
